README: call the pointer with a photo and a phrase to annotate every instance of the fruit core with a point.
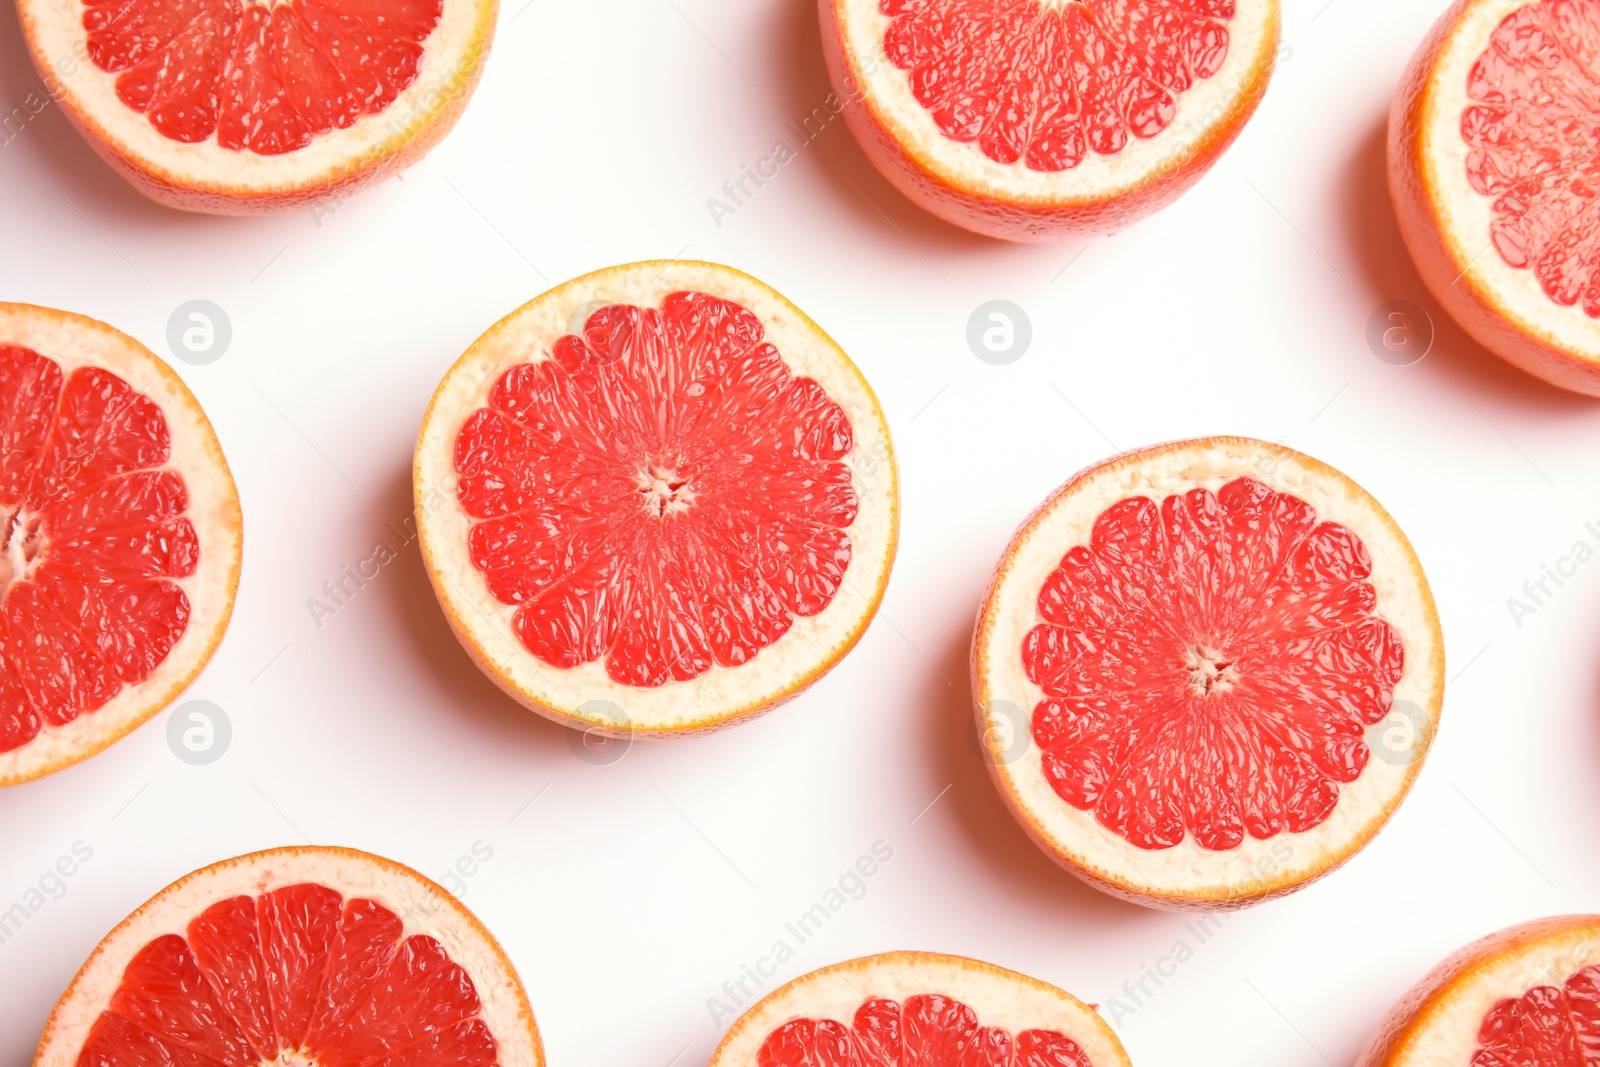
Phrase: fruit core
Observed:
(294, 977)
(929, 1030)
(1545, 1027)
(263, 77)
(1045, 82)
(1210, 665)
(661, 493)
(1534, 148)
(97, 540)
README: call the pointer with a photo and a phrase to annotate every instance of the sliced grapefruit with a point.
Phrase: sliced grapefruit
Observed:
(241, 106)
(1528, 996)
(296, 957)
(1492, 146)
(1207, 672)
(656, 499)
(121, 538)
(919, 1009)
(1036, 120)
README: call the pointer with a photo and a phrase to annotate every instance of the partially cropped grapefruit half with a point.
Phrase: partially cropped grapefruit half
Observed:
(296, 957)
(245, 106)
(121, 538)
(1492, 167)
(1038, 120)
(656, 499)
(1207, 672)
(919, 1009)
(1528, 996)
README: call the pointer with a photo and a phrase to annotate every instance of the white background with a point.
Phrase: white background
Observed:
(627, 894)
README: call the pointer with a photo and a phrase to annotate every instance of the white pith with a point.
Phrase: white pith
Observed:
(585, 695)
(424, 908)
(1187, 872)
(1002, 998)
(1207, 106)
(1446, 1034)
(73, 341)
(1463, 215)
(451, 58)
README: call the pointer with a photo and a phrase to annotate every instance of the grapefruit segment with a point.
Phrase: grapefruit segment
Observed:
(1528, 995)
(1038, 120)
(1181, 661)
(237, 106)
(919, 1009)
(298, 955)
(121, 538)
(658, 492)
(1491, 168)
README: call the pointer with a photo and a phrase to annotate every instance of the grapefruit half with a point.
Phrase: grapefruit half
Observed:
(656, 499)
(919, 1009)
(241, 106)
(1528, 995)
(1037, 120)
(1207, 672)
(1492, 150)
(121, 538)
(294, 957)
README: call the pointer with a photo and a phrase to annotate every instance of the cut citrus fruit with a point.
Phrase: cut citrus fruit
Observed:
(1035, 120)
(296, 956)
(919, 1009)
(1207, 672)
(657, 498)
(238, 106)
(1528, 996)
(1491, 153)
(121, 538)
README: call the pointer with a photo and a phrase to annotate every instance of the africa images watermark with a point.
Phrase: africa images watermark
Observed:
(1140, 990)
(50, 885)
(746, 987)
(1537, 592)
(405, 124)
(340, 591)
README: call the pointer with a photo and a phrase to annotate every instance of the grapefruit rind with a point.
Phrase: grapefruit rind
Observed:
(1102, 194)
(1000, 998)
(1186, 875)
(1446, 223)
(73, 341)
(207, 177)
(585, 697)
(423, 906)
(1436, 1024)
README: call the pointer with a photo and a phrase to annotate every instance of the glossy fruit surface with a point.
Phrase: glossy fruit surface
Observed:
(121, 538)
(1191, 651)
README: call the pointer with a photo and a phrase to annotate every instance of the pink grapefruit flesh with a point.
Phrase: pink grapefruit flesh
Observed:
(1183, 662)
(121, 538)
(919, 1009)
(362, 964)
(1210, 663)
(235, 106)
(1527, 996)
(1491, 152)
(680, 511)
(1037, 120)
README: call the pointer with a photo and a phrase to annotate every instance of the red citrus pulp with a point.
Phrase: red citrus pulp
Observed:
(1193, 647)
(678, 512)
(120, 529)
(296, 956)
(919, 1009)
(1037, 120)
(1492, 170)
(1528, 996)
(237, 106)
